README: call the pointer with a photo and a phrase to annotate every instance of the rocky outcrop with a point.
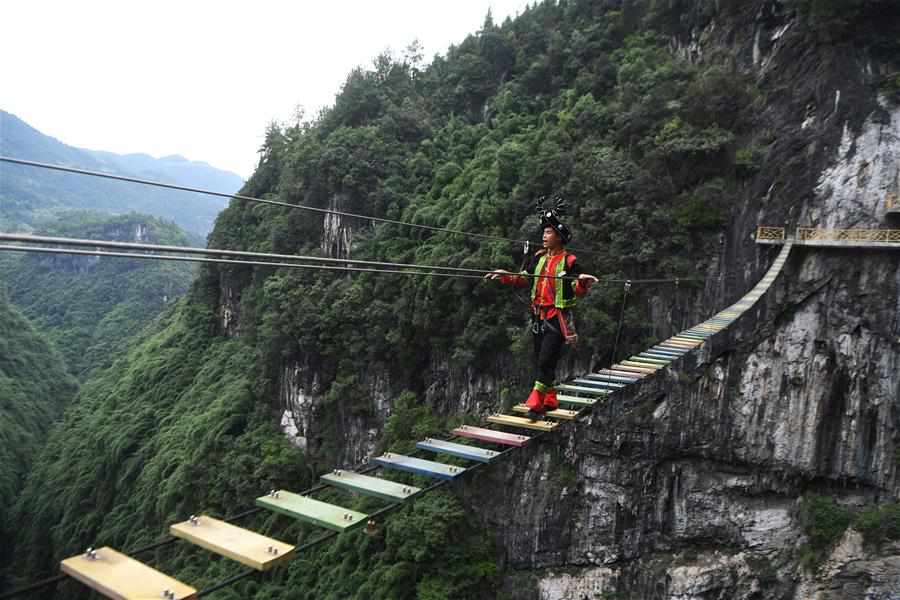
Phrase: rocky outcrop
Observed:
(304, 402)
(337, 230)
(311, 418)
(689, 486)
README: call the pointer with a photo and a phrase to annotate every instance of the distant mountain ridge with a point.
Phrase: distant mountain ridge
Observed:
(173, 168)
(29, 196)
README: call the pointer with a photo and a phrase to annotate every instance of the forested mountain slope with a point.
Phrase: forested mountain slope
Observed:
(34, 388)
(91, 307)
(30, 197)
(672, 129)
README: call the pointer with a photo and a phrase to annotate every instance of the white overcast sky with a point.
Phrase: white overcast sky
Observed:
(203, 78)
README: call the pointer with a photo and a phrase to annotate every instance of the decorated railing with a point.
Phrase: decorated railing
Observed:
(831, 237)
(805, 234)
(772, 234)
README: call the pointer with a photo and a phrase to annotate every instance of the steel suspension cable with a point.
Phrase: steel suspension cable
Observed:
(411, 269)
(389, 267)
(204, 259)
(42, 165)
(14, 237)
(182, 188)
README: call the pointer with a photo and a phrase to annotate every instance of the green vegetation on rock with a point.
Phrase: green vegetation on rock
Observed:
(824, 522)
(91, 307)
(569, 98)
(34, 388)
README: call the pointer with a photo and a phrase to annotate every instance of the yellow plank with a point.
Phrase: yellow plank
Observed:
(244, 546)
(679, 343)
(522, 422)
(650, 366)
(559, 413)
(640, 370)
(689, 340)
(122, 578)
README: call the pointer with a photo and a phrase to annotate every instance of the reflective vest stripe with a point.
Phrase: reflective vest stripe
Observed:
(559, 301)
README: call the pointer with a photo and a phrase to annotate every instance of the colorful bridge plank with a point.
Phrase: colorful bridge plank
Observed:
(560, 413)
(522, 422)
(580, 389)
(122, 578)
(370, 486)
(459, 450)
(303, 508)
(599, 383)
(640, 358)
(613, 377)
(490, 435)
(245, 546)
(576, 401)
(646, 367)
(418, 466)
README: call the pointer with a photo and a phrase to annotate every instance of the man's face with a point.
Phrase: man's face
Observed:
(551, 238)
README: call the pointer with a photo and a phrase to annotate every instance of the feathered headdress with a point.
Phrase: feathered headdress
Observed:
(550, 216)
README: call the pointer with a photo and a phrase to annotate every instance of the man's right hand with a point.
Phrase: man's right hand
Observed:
(497, 274)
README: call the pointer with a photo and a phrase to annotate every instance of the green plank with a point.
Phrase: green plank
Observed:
(370, 486)
(565, 387)
(649, 361)
(575, 400)
(312, 511)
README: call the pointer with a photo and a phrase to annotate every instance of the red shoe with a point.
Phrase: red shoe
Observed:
(535, 402)
(550, 400)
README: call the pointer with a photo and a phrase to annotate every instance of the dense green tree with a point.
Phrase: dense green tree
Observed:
(570, 98)
(34, 389)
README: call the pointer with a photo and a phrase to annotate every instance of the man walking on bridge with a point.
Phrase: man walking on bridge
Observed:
(556, 280)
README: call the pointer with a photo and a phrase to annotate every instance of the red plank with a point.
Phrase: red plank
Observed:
(489, 435)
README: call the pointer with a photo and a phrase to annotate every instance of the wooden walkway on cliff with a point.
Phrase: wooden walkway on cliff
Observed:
(440, 460)
(832, 238)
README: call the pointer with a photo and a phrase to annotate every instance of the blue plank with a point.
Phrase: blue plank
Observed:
(667, 351)
(418, 466)
(664, 353)
(650, 360)
(678, 349)
(582, 389)
(658, 356)
(460, 450)
(597, 383)
(611, 378)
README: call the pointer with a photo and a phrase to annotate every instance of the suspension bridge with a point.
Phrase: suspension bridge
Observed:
(121, 576)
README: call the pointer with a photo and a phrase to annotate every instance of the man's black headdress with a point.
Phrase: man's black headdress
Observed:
(550, 216)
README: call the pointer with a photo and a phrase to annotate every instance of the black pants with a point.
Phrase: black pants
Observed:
(548, 347)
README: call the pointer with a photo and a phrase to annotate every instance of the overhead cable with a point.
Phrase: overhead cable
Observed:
(401, 269)
(272, 259)
(182, 188)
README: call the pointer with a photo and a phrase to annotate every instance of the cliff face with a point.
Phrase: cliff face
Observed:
(691, 486)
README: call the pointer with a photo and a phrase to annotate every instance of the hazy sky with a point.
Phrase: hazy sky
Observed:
(203, 78)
